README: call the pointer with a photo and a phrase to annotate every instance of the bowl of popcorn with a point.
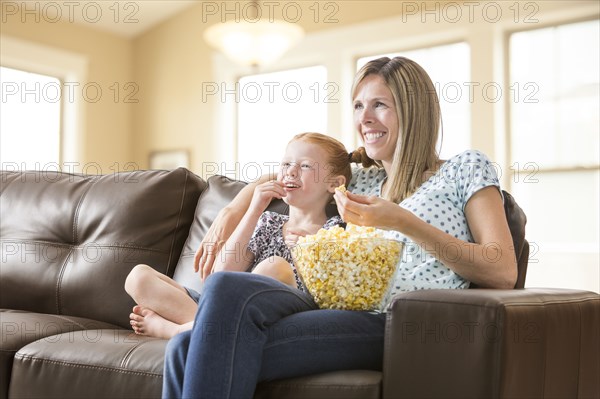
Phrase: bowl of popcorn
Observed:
(351, 268)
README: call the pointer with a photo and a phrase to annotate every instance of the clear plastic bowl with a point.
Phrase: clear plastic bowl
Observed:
(350, 273)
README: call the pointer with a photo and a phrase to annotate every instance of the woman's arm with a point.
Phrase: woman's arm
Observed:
(488, 262)
(235, 256)
(223, 226)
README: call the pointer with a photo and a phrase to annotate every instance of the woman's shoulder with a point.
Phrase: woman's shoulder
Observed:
(469, 172)
(366, 177)
(371, 170)
(466, 162)
(469, 156)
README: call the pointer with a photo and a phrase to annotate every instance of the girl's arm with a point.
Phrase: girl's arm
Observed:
(234, 255)
(488, 262)
(223, 226)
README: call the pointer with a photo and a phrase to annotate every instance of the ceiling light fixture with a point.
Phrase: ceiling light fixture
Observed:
(254, 41)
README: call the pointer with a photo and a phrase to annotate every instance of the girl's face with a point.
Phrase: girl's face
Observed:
(376, 119)
(305, 175)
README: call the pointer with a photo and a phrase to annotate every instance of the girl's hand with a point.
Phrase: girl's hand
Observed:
(264, 193)
(368, 210)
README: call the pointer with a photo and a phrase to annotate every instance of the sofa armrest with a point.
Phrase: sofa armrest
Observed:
(492, 343)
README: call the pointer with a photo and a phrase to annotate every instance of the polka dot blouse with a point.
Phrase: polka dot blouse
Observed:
(440, 201)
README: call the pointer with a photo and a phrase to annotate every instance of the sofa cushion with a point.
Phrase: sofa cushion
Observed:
(72, 239)
(120, 364)
(91, 363)
(20, 328)
(348, 384)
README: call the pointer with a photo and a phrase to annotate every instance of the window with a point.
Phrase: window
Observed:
(30, 123)
(554, 149)
(554, 82)
(274, 107)
(451, 80)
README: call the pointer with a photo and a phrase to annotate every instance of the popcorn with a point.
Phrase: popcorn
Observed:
(348, 269)
(342, 188)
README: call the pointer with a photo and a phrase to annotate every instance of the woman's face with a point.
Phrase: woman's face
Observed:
(376, 119)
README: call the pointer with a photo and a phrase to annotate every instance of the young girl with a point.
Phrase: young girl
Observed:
(312, 167)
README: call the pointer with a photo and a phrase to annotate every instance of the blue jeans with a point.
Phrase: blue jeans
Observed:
(250, 328)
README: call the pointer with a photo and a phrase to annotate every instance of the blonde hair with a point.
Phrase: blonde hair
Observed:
(419, 117)
(338, 159)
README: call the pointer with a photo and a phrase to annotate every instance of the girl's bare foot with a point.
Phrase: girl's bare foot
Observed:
(147, 322)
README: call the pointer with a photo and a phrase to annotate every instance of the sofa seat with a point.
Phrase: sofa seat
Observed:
(116, 362)
(349, 384)
(121, 364)
(20, 328)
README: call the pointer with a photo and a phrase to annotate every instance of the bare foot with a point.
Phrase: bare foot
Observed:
(145, 321)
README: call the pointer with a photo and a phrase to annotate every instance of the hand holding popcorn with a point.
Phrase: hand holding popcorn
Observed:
(369, 210)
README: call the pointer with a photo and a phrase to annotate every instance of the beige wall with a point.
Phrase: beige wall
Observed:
(107, 137)
(170, 64)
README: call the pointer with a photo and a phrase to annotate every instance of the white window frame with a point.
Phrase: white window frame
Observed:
(552, 21)
(67, 67)
(306, 93)
(582, 255)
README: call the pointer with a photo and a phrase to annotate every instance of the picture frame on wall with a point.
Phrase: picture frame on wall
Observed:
(168, 160)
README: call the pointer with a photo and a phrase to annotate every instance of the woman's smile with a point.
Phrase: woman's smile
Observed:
(373, 136)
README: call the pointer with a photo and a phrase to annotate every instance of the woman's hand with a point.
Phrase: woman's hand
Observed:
(218, 233)
(223, 226)
(368, 210)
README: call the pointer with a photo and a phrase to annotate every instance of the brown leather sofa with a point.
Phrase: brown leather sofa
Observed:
(68, 242)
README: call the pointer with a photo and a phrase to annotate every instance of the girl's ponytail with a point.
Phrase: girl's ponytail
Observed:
(360, 156)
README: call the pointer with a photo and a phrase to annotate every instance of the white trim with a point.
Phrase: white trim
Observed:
(503, 139)
(68, 67)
